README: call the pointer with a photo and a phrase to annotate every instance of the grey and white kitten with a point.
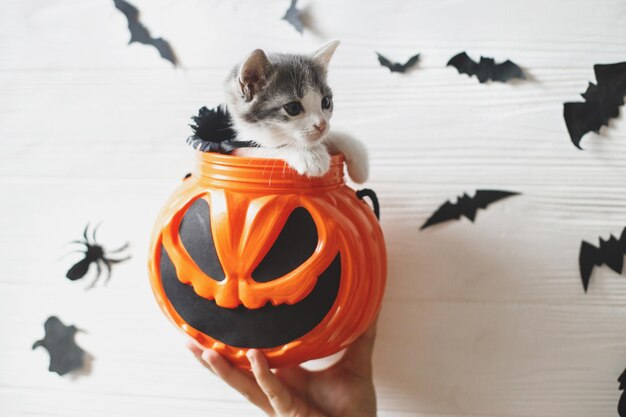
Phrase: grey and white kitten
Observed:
(283, 103)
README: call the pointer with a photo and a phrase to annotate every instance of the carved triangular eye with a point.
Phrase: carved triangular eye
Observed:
(295, 244)
(195, 234)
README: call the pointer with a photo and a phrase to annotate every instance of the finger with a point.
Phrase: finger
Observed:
(194, 348)
(238, 379)
(358, 356)
(295, 377)
(197, 352)
(278, 394)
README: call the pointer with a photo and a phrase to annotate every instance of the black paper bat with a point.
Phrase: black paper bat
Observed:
(602, 102)
(486, 69)
(621, 406)
(139, 33)
(65, 355)
(292, 16)
(611, 253)
(94, 253)
(396, 66)
(466, 206)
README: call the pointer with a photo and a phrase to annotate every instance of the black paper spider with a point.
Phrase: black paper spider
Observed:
(94, 253)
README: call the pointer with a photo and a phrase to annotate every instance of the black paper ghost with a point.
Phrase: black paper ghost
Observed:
(65, 355)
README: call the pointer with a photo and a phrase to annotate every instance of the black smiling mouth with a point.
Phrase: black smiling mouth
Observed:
(265, 327)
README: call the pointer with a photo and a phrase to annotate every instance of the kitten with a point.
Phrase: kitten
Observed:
(282, 103)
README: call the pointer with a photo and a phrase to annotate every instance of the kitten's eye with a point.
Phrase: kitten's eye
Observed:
(327, 102)
(294, 108)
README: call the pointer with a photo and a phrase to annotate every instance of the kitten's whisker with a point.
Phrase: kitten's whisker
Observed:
(337, 144)
(265, 167)
(274, 166)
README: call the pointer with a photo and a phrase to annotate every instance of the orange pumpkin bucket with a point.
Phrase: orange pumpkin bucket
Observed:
(249, 254)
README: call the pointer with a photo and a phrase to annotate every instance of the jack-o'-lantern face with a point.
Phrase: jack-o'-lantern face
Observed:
(258, 286)
(247, 254)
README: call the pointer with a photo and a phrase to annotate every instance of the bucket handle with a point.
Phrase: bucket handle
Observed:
(367, 192)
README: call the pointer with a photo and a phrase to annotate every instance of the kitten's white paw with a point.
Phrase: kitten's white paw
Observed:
(355, 153)
(312, 163)
(358, 163)
(358, 171)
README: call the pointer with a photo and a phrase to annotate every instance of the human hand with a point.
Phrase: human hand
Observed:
(346, 389)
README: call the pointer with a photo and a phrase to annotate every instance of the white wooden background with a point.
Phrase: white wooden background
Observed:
(484, 319)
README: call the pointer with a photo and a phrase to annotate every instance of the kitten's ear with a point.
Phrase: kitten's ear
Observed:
(323, 55)
(253, 74)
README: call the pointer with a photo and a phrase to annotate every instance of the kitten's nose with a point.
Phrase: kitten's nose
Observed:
(321, 126)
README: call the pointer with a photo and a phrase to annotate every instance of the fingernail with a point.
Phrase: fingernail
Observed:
(251, 357)
(207, 361)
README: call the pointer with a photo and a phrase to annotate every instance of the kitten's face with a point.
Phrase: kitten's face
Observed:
(281, 99)
(296, 113)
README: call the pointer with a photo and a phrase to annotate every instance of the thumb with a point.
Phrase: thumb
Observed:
(358, 356)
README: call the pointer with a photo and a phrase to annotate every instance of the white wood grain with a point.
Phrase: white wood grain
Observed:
(484, 319)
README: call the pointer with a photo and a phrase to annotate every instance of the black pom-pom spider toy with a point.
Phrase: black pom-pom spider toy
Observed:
(94, 253)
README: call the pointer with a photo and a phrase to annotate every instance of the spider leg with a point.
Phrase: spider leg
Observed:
(85, 232)
(99, 272)
(121, 248)
(117, 261)
(99, 268)
(82, 242)
(69, 253)
(95, 230)
(107, 264)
